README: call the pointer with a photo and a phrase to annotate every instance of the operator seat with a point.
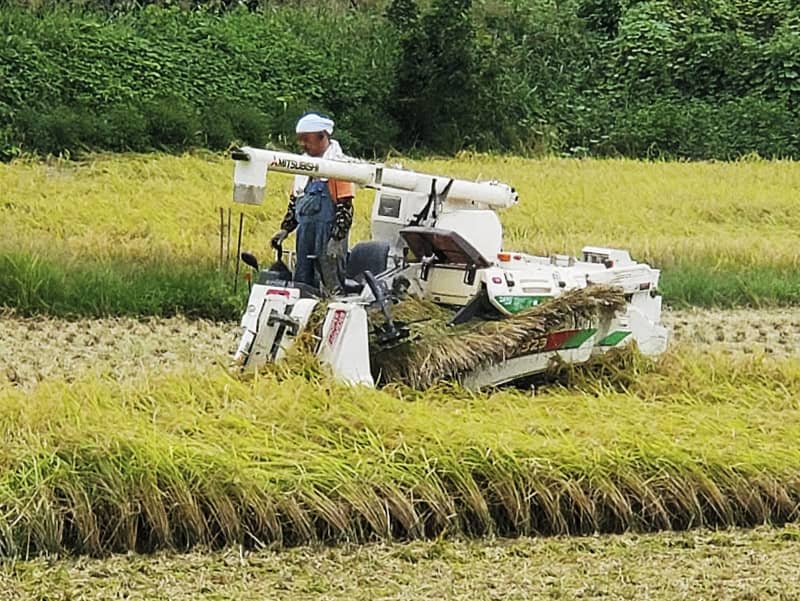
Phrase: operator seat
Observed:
(278, 274)
(371, 255)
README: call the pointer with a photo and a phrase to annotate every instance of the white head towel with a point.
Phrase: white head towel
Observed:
(312, 122)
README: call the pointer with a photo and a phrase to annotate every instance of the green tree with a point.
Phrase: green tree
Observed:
(436, 88)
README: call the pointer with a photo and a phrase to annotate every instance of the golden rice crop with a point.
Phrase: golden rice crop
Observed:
(665, 212)
(207, 458)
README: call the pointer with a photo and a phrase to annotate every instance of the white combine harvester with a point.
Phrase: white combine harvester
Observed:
(437, 239)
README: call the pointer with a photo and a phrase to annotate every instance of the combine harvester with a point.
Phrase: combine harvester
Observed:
(484, 316)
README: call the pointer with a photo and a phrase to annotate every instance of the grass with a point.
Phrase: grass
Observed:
(727, 286)
(728, 565)
(173, 461)
(40, 284)
(724, 234)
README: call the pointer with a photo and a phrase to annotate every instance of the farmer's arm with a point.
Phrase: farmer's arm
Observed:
(342, 194)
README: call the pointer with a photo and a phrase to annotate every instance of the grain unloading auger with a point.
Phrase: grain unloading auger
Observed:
(434, 294)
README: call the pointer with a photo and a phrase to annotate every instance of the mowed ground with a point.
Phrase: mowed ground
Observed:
(34, 349)
(729, 565)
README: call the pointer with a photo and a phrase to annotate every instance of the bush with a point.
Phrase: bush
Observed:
(435, 96)
(216, 127)
(250, 126)
(171, 123)
(61, 130)
(224, 123)
(697, 129)
(756, 125)
(124, 128)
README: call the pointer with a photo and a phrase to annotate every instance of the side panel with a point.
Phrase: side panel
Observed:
(481, 228)
(272, 313)
(650, 337)
(345, 343)
(640, 322)
(257, 345)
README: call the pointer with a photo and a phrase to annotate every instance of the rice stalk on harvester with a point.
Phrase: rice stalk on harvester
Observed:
(441, 352)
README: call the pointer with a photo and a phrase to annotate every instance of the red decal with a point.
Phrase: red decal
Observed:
(336, 325)
(278, 292)
(556, 339)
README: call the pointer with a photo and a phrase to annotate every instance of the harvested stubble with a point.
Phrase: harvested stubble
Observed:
(206, 458)
(437, 352)
(757, 564)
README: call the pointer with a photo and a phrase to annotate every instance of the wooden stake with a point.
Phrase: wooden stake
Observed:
(221, 235)
(238, 253)
(228, 256)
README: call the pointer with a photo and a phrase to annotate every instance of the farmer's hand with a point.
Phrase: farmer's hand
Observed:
(278, 238)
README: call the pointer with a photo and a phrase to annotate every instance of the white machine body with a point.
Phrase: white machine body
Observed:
(446, 241)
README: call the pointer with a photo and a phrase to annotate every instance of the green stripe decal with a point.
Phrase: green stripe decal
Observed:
(614, 338)
(579, 338)
(515, 304)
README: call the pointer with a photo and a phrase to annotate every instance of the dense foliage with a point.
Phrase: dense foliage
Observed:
(719, 78)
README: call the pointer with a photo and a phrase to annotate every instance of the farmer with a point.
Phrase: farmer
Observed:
(321, 210)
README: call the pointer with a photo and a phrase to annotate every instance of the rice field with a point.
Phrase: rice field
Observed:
(131, 434)
(664, 212)
(138, 228)
(202, 457)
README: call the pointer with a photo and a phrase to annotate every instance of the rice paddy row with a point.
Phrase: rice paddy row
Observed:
(739, 213)
(206, 458)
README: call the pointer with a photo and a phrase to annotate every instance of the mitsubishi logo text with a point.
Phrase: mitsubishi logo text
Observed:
(294, 165)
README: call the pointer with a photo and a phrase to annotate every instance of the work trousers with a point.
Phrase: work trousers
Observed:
(315, 216)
